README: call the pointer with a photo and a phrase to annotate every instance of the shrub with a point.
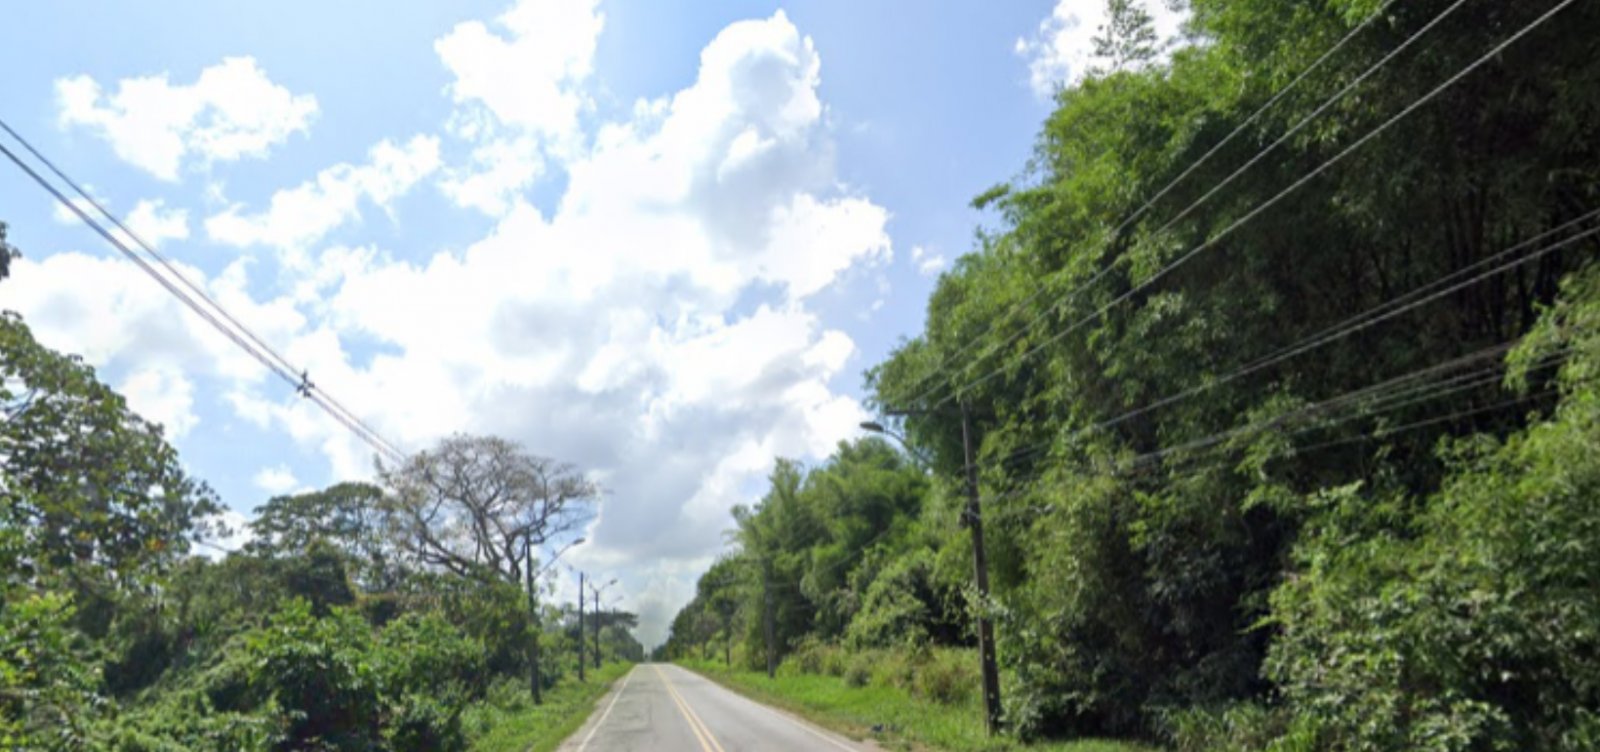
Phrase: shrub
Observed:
(321, 676)
(425, 724)
(1233, 728)
(859, 671)
(947, 677)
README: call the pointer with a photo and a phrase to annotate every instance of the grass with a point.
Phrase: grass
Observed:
(508, 721)
(909, 722)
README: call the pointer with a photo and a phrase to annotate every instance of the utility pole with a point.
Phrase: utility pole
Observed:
(580, 627)
(533, 620)
(596, 592)
(973, 518)
(766, 617)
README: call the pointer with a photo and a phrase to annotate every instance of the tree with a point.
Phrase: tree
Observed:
(91, 485)
(474, 505)
(347, 516)
(1128, 39)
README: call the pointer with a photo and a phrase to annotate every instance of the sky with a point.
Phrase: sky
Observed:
(659, 239)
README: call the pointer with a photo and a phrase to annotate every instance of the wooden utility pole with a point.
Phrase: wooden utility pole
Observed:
(973, 518)
(581, 626)
(766, 617)
(533, 621)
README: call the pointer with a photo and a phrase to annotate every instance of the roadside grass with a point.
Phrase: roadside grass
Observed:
(508, 721)
(908, 722)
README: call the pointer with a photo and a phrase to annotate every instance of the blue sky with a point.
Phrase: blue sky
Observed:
(658, 239)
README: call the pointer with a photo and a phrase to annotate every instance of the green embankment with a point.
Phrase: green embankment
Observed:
(515, 724)
(905, 721)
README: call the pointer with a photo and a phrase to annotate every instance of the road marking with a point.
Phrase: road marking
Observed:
(701, 731)
(684, 711)
(791, 719)
(607, 713)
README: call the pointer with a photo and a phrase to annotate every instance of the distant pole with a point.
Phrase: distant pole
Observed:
(581, 659)
(533, 621)
(596, 626)
(766, 618)
(980, 562)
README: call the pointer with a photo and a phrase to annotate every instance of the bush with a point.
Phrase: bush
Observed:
(425, 724)
(1468, 623)
(425, 653)
(320, 675)
(859, 671)
(1243, 727)
(947, 677)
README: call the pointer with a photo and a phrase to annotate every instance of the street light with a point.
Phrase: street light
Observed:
(597, 591)
(534, 681)
(876, 427)
(972, 518)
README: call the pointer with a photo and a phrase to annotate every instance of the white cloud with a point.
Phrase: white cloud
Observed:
(162, 395)
(230, 112)
(108, 311)
(521, 96)
(1061, 52)
(276, 480)
(300, 216)
(501, 169)
(928, 262)
(617, 332)
(150, 220)
(526, 78)
(238, 534)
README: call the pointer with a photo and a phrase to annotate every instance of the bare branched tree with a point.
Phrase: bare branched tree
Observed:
(474, 504)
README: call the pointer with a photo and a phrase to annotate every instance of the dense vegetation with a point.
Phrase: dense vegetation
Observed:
(1298, 454)
(337, 627)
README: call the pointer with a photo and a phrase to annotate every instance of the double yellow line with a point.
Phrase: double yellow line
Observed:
(708, 743)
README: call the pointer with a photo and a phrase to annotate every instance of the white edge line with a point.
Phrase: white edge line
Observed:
(607, 713)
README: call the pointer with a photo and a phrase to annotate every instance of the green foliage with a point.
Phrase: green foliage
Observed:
(1471, 626)
(46, 683)
(1233, 568)
(320, 677)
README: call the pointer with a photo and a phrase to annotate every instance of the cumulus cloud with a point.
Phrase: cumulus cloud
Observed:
(300, 216)
(162, 395)
(521, 95)
(276, 480)
(1061, 52)
(527, 76)
(235, 533)
(106, 310)
(928, 262)
(230, 112)
(655, 328)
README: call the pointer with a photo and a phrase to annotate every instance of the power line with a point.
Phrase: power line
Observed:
(1151, 202)
(1366, 319)
(1140, 462)
(1361, 322)
(1263, 207)
(238, 333)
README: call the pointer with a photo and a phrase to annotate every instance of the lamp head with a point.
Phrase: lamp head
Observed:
(872, 425)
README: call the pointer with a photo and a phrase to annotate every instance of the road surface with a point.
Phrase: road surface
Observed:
(663, 708)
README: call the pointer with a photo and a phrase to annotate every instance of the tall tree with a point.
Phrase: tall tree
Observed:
(1128, 39)
(474, 504)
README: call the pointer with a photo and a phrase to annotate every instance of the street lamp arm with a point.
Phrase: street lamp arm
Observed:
(921, 459)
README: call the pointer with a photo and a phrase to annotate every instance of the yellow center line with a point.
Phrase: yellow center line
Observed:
(701, 731)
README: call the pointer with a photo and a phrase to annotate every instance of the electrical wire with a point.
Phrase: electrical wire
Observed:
(1263, 207)
(246, 341)
(1151, 202)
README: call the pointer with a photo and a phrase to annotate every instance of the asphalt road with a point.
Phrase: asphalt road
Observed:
(663, 708)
